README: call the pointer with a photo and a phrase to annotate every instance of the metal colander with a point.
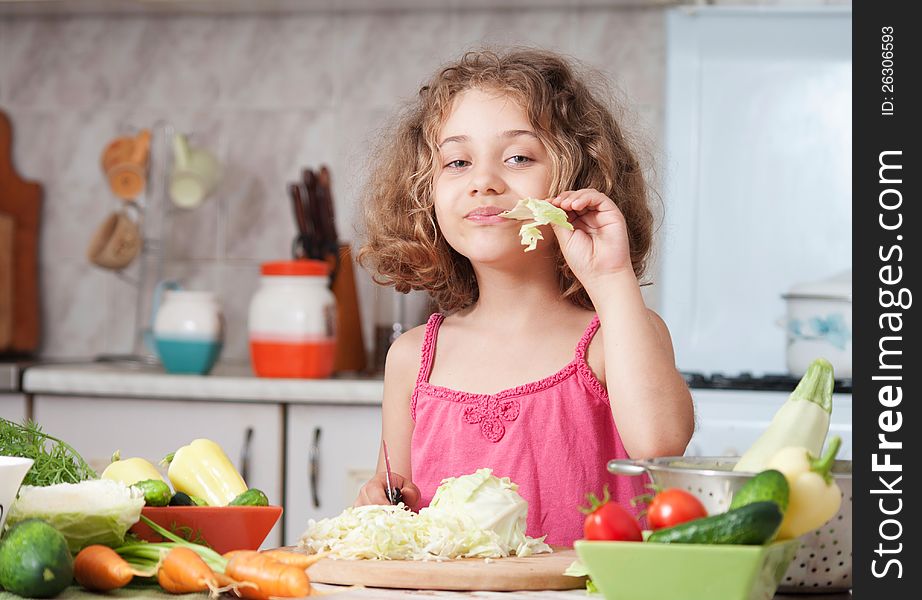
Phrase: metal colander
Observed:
(823, 563)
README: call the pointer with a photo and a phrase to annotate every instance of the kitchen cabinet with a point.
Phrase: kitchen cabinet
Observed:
(13, 407)
(250, 433)
(331, 452)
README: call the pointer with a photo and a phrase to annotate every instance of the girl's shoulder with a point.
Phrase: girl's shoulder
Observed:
(403, 356)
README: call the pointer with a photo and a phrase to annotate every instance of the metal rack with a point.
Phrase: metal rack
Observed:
(151, 209)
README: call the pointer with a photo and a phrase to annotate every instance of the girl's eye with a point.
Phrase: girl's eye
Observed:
(457, 164)
(518, 159)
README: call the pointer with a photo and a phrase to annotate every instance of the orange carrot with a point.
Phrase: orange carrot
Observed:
(100, 569)
(184, 572)
(231, 554)
(295, 559)
(272, 578)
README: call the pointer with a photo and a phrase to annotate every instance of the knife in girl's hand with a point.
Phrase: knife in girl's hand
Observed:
(393, 494)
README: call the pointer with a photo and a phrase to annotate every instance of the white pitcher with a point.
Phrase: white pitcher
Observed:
(189, 331)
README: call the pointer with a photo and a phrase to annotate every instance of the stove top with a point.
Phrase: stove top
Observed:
(748, 381)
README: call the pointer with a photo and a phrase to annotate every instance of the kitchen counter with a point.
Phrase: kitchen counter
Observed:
(385, 594)
(74, 593)
(9, 376)
(225, 382)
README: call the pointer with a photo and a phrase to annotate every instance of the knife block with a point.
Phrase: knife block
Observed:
(350, 346)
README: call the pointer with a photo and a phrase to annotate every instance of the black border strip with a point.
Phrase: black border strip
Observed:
(886, 266)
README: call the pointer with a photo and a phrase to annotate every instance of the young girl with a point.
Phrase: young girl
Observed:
(541, 365)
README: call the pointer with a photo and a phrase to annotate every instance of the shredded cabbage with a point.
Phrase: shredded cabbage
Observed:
(537, 212)
(477, 515)
(98, 511)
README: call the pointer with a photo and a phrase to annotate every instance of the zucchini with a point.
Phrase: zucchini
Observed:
(803, 420)
(768, 486)
(251, 497)
(753, 525)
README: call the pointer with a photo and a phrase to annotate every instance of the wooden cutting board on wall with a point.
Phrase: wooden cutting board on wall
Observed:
(20, 202)
(7, 232)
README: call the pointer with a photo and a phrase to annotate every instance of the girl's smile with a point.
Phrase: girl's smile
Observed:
(487, 215)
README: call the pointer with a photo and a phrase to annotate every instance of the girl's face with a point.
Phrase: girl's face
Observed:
(490, 157)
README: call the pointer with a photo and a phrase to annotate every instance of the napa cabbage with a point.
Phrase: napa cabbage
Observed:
(536, 213)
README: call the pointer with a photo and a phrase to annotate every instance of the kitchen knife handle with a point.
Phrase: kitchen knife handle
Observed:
(314, 468)
(245, 454)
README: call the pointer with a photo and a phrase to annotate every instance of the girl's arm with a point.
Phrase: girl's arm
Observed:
(400, 370)
(649, 399)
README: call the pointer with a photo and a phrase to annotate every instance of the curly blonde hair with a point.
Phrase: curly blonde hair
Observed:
(587, 149)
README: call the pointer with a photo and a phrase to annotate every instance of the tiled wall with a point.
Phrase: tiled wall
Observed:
(268, 94)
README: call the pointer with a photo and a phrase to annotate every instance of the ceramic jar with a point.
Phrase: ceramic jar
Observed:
(292, 321)
(188, 331)
(819, 324)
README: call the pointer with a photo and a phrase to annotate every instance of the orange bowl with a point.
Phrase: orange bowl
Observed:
(222, 528)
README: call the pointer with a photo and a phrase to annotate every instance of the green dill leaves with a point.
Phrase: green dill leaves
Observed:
(55, 460)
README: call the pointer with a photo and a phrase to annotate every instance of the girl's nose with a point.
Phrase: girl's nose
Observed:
(485, 180)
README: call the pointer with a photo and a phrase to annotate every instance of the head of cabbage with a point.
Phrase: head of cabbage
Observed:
(487, 502)
(99, 511)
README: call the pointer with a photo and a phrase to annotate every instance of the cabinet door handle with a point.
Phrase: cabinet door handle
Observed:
(245, 454)
(314, 467)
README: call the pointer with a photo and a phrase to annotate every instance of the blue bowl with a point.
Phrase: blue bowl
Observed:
(188, 355)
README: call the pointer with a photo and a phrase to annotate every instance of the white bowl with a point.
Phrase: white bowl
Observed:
(12, 471)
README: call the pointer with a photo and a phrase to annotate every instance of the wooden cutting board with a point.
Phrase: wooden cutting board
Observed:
(7, 229)
(22, 201)
(537, 572)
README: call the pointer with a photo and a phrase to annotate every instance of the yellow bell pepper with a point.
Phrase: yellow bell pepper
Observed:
(131, 470)
(202, 469)
(815, 498)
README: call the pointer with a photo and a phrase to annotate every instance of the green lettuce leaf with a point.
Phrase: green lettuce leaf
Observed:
(537, 213)
(578, 569)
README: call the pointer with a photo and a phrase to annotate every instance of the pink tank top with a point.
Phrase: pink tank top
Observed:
(552, 437)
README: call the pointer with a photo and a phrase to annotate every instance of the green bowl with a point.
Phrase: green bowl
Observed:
(650, 571)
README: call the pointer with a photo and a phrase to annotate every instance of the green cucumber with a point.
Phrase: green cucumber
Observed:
(251, 497)
(34, 560)
(752, 525)
(156, 492)
(181, 499)
(767, 486)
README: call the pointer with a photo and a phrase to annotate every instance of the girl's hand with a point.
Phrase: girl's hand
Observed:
(373, 492)
(598, 244)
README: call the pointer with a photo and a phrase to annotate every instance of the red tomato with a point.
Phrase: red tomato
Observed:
(673, 506)
(607, 520)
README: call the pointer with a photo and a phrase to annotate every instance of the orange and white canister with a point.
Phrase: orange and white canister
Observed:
(292, 321)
